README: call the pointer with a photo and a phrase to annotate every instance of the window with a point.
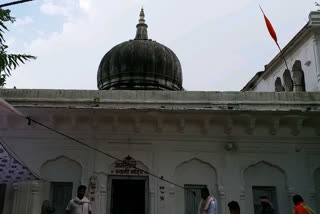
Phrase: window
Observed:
(2, 196)
(192, 201)
(269, 191)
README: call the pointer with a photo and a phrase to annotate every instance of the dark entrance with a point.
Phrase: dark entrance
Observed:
(61, 195)
(128, 196)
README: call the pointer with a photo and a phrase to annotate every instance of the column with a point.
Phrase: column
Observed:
(102, 200)
(152, 196)
(242, 203)
(316, 50)
(222, 200)
(291, 193)
(15, 187)
(35, 200)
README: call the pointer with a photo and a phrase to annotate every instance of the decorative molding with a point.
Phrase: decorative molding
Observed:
(205, 126)
(230, 146)
(228, 126)
(172, 191)
(275, 126)
(221, 192)
(159, 125)
(298, 147)
(297, 126)
(115, 124)
(182, 125)
(137, 124)
(242, 193)
(251, 125)
(35, 187)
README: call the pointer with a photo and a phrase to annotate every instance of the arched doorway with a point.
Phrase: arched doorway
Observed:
(193, 174)
(264, 179)
(64, 176)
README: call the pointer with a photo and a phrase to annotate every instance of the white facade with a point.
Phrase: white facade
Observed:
(305, 46)
(234, 143)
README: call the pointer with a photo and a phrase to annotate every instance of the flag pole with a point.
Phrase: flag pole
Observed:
(284, 59)
(273, 35)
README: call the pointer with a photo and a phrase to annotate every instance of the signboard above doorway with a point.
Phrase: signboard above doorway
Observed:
(128, 166)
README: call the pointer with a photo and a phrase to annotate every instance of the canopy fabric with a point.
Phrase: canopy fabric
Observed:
(11, 170)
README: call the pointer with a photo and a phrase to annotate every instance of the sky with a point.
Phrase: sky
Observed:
(220, 44)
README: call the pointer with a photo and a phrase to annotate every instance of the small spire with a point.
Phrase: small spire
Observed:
(142, 32)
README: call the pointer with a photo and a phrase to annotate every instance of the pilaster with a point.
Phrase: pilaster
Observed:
(316, 50)
(35, 191)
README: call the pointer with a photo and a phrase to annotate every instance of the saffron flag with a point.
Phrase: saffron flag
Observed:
(270, 27)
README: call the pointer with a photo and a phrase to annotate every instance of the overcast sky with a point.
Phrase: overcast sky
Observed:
(220, 44)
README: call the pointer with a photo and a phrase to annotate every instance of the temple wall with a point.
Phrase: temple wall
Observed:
(237, 144)
(229, 175)
(308, 53)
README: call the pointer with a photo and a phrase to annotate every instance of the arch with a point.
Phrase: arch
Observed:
(243, 170)
(61, 169)
(196, 159)
(193, 172)
(265, 178)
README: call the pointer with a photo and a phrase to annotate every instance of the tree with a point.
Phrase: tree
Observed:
(8, 62)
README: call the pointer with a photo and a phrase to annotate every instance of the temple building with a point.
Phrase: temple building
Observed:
(240, 145)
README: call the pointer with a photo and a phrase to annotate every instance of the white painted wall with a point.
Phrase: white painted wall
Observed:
(180, 152)
(303, 52)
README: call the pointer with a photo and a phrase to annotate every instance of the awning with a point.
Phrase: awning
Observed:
(11, 170)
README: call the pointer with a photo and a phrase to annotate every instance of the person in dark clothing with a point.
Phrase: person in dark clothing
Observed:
(234, 207)
(266, 205)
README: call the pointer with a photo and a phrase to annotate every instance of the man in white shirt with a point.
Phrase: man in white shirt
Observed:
(208, 205)
(80, 204)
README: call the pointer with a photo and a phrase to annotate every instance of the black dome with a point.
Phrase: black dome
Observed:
(140, 64)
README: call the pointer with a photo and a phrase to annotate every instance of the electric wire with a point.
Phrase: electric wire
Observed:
(104, 153)
(13, 3)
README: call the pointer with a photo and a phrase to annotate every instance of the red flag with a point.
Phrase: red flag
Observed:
(270, 28)
(273, 35)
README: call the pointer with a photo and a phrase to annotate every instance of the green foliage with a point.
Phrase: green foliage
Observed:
(8, 62)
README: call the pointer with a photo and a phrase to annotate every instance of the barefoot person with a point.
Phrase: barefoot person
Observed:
(80, 204)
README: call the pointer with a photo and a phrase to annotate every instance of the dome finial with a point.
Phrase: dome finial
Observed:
(142, 32)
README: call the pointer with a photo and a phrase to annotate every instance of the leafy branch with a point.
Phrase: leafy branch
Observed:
(8, 62)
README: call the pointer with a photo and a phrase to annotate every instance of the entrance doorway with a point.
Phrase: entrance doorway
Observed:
(128, 195)
(61, 195)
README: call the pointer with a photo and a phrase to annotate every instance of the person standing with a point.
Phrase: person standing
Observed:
(80, 204)
(234, 207)
(266, 205)
(300, 206)
(208, 205)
